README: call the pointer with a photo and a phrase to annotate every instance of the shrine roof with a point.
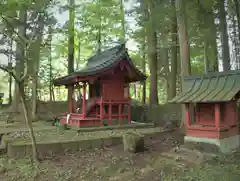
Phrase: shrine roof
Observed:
(102, 62)
(213, 87)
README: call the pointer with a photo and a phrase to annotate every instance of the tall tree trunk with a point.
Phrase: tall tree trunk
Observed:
(99, 35)
(122, 12)
(183, 38)
(134, 91)
(224, 36)
(213, 40)
(79, 53)
(144, 71)
(207, 26)
(206, 60)
(237, 44)
(10, 77)
(20, 56)
(237, 9)
(152, 55)
(165, 60)
(51, 92)
(174, 40)
(36, 49)
(10, 85)
(71, 35)
(184, 45)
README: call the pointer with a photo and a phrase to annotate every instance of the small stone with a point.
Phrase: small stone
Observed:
(121, 170)
(2, 169)
(133, 142)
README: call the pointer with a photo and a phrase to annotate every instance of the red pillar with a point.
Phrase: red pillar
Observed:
(110, 113)
(70, 98)
(120, 113)
(84, 100)
(217, 115)
(236, 113)
(101, 110)
(187, 119)
(129, 111)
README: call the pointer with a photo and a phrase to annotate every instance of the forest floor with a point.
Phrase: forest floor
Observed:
(112, 164)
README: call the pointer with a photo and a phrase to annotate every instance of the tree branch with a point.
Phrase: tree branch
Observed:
(25, 73)
(24, 40)
(5, 69)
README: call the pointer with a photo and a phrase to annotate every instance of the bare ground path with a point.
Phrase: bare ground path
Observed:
(113, 164)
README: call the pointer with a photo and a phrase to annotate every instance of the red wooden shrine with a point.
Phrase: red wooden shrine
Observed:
(211, 105)
(107, 76)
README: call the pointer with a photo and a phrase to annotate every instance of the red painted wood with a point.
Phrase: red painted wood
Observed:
(120, 113)
(217, 116)
(213, 120)
(212, 132)
(70, 99)
(205, 114)
(84, 99)
(114, 96)
(110, 113)
(187, 116)
(101, 108)
(129, 111)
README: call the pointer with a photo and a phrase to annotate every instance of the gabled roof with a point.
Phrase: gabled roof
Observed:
(102, 62)
(213, 87)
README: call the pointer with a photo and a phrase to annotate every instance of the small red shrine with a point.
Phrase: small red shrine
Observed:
(211, 108)
(107, 76)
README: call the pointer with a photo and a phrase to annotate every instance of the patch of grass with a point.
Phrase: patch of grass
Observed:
(21, 169)
(209, 171)
(223, 172)
(61, 175)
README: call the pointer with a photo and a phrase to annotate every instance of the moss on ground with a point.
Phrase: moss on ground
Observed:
(71, 135)
(220, 169)
(164, 168)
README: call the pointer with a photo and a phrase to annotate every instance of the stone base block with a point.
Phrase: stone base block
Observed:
(226, 145)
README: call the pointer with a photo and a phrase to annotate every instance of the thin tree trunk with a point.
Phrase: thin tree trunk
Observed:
(224, 36)
(165, 59)
(134, 90)
(71, 35)
(10, 85)
(144, 71)
(235, 42)
(122, 12)
(206, 60)
(99, 35)
(50, 62)
(36, 57)
(79, 53)
(10, 77)
(173, 73)
(99, 39)
(29, 125)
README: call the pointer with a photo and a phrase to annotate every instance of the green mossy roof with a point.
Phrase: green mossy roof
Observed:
(213, 87)
(101, 62)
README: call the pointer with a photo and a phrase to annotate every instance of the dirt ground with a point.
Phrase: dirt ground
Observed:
(112, 164)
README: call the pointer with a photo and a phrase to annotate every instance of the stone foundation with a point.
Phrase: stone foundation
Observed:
(48, 148)
(226, 145)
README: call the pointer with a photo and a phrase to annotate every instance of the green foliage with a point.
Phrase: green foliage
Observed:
(104, 16)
